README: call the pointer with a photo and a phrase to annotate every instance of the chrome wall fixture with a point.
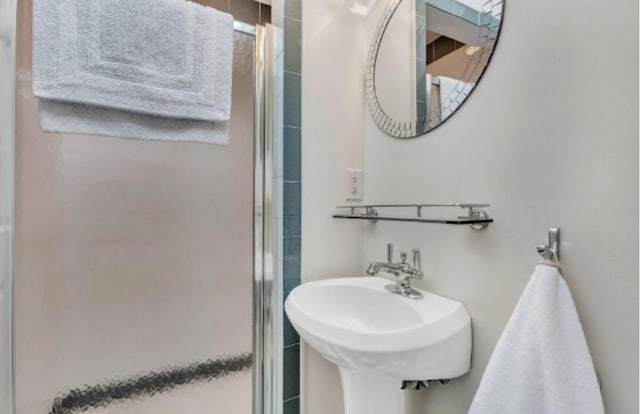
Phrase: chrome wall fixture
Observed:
(260, 225)
(8, 15)
(267, 284)
(550, 252)
(477, 218)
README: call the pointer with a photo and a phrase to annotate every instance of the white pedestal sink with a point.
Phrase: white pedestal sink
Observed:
(377, 339)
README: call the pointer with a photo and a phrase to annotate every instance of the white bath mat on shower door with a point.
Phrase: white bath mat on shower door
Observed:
(166, 58)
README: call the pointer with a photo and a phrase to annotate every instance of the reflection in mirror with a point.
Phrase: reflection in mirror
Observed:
(426, 58)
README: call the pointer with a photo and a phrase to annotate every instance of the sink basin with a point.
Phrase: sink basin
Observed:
(377, 339)
(357, 324)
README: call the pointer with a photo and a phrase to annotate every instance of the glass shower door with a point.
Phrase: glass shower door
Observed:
(133, 264)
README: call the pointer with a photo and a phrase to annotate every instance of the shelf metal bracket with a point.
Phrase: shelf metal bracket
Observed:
(372, 212)
(476, 213)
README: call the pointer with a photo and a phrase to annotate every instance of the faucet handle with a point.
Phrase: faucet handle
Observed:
(389, 252)
(403, 257)
(417, 262)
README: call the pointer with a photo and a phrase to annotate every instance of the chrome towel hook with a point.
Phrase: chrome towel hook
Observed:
(550, 252)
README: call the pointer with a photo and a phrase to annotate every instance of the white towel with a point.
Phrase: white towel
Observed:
(86, 119)
(167, 58)
(453, 92)
(541, 364)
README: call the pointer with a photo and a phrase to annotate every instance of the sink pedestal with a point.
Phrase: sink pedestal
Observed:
(371, 392)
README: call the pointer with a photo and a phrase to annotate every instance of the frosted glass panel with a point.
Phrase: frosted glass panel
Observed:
(133, 264)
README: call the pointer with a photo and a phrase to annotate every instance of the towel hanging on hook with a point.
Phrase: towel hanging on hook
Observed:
(541, 363)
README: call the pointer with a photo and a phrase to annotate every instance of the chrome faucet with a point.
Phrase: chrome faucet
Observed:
(402, 271)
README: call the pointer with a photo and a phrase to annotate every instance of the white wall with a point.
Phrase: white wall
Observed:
(550, 138)
(332, 125)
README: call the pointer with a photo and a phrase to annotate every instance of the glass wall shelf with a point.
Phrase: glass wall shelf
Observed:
(477, 218)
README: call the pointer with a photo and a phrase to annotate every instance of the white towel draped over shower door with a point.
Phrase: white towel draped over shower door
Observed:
(150, 69)
(541, 364)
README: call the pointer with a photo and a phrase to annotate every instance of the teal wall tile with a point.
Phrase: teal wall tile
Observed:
(291, 262)
(293, 8)
(291, 377)
(291, 202)
(292, 45)
(291, 243)
(292, 154)
(292, 100)
(292, 406)
(291, 226)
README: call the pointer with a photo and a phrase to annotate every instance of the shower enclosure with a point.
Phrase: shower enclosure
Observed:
(138, 276)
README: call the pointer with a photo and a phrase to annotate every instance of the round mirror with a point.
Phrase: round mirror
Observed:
(426, 58)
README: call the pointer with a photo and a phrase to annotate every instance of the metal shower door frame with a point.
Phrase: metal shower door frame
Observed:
(8, 20)
(267, 284)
